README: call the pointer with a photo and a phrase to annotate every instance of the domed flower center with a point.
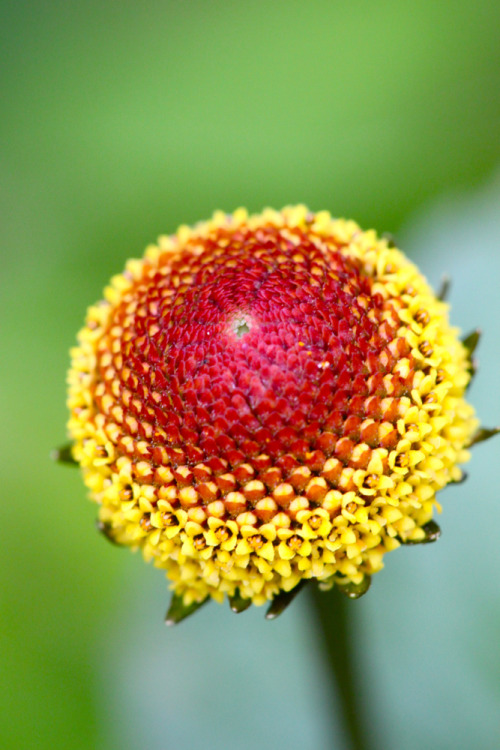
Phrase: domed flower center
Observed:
(249, 343)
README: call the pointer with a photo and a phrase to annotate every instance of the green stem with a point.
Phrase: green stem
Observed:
(334, 613)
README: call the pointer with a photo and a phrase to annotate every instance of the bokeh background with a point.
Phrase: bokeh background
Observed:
(122, 120)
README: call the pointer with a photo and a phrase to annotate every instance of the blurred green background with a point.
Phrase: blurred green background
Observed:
(122, 120)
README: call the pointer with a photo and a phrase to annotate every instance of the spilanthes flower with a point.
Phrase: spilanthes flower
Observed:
(266, 400)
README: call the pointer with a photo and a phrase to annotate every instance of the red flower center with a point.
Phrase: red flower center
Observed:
(249, 343)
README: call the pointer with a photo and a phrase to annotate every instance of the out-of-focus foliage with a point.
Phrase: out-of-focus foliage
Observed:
(120, 121)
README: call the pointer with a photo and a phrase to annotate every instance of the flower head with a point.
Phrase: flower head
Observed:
(264, 400)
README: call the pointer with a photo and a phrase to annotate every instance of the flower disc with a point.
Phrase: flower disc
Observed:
(267, 399)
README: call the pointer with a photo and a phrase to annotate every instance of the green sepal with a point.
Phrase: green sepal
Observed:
(432, 533)
(444, 289)
(105, 529)
(472, 371)
(462, 479)
(471, 341)
(355, 590)
(282, 600)
(178, 611)
(64, 455)
(237, 603)
(482, 434)
(389, 238)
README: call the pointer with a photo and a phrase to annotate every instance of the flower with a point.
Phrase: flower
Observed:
(265, 400)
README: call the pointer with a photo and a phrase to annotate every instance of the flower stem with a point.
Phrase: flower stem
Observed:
(334, 613)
